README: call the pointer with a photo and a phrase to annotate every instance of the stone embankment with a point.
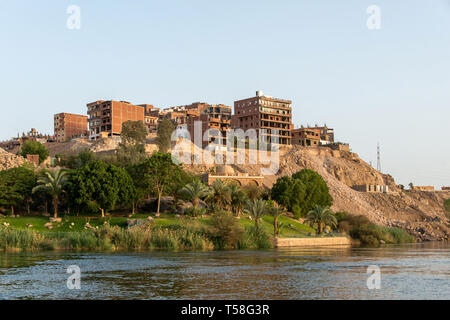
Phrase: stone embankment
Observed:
(311, 242)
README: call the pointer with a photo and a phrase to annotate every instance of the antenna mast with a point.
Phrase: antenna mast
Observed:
(378, 157)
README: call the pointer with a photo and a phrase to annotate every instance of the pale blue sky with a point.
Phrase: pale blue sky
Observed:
(390, 85)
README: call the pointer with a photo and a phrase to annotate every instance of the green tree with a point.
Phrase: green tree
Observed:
(132, 147)
(158, 174)
(316, 190)
(53, 183)
(16, 185)
(220, 194)
(165, 129)
(104, 184)
(256, 209)
(276, 211)
(195, 191)
(34, 147)
(238, 199)
(289, 193)
(321, 216)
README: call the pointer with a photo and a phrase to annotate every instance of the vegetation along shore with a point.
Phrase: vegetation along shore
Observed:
(132, 201)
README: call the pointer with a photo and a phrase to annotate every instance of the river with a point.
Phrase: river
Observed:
(413, 271)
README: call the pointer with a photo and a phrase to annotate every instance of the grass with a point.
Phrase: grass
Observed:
(111, 233)
(292, 228)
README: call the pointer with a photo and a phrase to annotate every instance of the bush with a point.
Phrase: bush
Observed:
(447, 207)
(225, 232)
(359, 227)
(259, 238)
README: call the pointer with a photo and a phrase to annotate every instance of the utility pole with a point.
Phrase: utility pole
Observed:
(378, 157)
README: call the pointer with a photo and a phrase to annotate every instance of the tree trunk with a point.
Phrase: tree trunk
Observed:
(103, 212)
(55, 207)
(159, 201)
(275, 227)
(12, 210)
(256, 224)
(133, 210)
(319, 227)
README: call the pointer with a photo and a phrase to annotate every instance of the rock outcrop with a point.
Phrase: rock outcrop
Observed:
(9, 160)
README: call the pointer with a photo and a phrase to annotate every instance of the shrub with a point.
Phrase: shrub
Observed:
(447, 207)
(225, 232)
(260, 239)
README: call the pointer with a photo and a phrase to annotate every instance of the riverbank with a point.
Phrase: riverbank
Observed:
(143, 232)
(178, 233)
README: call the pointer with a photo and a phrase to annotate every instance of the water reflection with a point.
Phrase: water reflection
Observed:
(416, 271)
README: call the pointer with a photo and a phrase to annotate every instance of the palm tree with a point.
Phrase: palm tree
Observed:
(195, 191)
(276, 211)
(52, 182)
(256, 209)
(321, 216)
(220, 194)
(253, 191)
(238, 198)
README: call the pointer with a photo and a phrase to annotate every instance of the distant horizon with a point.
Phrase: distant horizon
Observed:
(387, 85)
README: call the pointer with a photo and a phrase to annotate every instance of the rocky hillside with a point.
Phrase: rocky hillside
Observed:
(420, 213)
(9, 160)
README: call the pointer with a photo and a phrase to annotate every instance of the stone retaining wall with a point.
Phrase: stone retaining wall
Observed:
(307, 242)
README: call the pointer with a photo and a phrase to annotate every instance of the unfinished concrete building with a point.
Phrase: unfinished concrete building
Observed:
(306, 137)
(264, 112)
(68, 126)
(106, 117)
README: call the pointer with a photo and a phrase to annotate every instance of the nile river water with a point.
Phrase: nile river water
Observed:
(414, 271)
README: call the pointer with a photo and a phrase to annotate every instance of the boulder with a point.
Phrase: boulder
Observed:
(57, 220)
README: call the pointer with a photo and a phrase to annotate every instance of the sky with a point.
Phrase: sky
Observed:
(389, 85)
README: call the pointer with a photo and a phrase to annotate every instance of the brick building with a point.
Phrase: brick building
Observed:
(68, 126)
(106, 117)
(422, 188)
(212, 117)
(151, 117)
(306, 137)
(326, 134)
(264, 112)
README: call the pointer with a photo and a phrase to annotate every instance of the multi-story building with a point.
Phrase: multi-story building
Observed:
(326, 134)
(106, 117)
(306, 137)
(212, 117)
(68, 126)
(151, 117)
(264, 112)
